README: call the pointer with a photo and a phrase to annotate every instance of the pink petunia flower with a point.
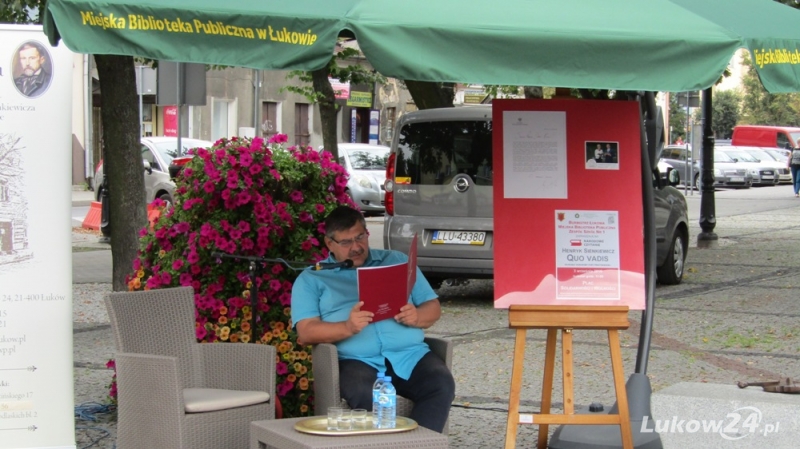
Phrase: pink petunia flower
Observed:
(281, 369)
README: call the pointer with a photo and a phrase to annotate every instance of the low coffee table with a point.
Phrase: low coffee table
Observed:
(280, 434)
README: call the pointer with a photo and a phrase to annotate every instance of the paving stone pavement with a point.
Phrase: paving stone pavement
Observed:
(733, 318)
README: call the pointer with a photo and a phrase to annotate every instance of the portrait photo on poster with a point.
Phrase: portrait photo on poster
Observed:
(32, 69)
(602, 155)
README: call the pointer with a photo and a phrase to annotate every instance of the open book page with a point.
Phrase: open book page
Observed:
(386, 289)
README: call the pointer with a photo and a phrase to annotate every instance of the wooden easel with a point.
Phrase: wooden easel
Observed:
(565, 319)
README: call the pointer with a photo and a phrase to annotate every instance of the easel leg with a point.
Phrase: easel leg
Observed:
(547, 384)
(619, 386)
(516, 389)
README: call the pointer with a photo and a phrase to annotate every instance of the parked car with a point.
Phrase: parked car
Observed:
(366, 165)
(729, 173)
(779, 154)
(433, 152)
(764, 173)
(765, 157)
(157, 153)
(678, 156)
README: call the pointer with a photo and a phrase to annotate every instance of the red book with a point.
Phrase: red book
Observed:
(384, 290)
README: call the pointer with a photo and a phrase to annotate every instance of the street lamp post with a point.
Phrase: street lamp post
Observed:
(708, 219)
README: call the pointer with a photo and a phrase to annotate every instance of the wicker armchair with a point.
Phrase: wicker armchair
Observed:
(176, 393)
(325, 363)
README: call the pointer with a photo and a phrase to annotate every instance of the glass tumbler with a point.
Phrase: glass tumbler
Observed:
(345, 420)
(359, 418)
(334, 414)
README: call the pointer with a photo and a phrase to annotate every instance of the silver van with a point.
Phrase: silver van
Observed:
(439, 186)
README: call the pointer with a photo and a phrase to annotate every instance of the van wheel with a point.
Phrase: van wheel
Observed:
(167, 199)
(697, 181)
(671, 272)
(435, 281)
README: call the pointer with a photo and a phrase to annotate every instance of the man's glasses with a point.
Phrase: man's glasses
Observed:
(349, 242)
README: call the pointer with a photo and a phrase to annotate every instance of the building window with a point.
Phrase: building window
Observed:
(269, 116)
(3, 191)
(302, 136)
(223, 118)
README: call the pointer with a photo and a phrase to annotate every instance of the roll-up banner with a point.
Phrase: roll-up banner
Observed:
(36, 387)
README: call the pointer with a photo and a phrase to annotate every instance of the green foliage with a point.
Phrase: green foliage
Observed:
(352, 73)
(21, 11)
(677, 119)
(760, 107)
(495, 90)
(726, 109)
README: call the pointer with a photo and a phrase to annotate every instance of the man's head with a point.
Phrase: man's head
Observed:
(346, 235)
(30, 58)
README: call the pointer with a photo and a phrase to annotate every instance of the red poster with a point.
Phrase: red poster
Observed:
(568, 219)
(171, 121)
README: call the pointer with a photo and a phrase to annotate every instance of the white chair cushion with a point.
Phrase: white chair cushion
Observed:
(199, 400)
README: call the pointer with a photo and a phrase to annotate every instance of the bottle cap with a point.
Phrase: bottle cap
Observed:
(381, 373)
(388, 378)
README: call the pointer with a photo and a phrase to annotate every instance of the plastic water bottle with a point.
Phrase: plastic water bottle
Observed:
(376, 406)
(388, 403)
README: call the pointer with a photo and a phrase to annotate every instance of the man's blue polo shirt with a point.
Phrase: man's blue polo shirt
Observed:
(331, 294)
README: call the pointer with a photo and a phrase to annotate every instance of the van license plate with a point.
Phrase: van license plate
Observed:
(458, 237)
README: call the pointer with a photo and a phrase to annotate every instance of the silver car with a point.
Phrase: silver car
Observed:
(779, 164)
(680, 157)
(366, 165)
(764, 174)
(439, 186)
(157, 153)
(729, 173)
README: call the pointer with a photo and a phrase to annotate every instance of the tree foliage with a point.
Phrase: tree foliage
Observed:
(317, 89)
(677, 119)
(21, 11)
(760, 107)
(726, 109)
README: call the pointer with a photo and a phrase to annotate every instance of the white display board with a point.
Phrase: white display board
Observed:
(36, 386)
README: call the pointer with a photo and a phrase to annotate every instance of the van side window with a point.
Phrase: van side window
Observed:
(432, 153)
(783, 141)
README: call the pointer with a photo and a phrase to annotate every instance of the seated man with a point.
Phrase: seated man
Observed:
(326, 309)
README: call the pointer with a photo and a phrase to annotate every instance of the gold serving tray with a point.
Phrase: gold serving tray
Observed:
(318, 425)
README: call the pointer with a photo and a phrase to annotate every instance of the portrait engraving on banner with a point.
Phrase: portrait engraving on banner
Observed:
(32, 69)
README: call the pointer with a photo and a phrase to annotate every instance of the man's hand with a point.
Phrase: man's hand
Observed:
(408, 316)
(358, 319)
(422, 317)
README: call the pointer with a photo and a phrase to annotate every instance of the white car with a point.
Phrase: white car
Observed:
(157, 153)
(366, 165)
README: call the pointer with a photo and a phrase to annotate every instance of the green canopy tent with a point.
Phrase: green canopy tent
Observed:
(653, 45)
(631, 45)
